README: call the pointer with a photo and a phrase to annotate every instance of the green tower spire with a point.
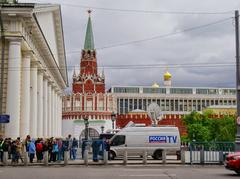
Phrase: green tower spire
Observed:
(89, 42)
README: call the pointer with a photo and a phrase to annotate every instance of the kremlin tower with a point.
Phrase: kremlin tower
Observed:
(88, 81)
(88, 100)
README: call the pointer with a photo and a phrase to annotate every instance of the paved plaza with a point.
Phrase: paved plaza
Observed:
(117, 172)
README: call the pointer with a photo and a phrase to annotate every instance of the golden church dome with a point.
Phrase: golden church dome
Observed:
(155, 85)
(167, 76)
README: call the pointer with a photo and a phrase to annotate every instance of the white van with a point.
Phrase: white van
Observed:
(151, 139)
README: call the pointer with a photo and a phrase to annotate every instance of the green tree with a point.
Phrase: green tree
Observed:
(198, 132)
(202, 127)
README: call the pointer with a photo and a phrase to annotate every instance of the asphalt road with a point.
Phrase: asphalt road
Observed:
(117, 172)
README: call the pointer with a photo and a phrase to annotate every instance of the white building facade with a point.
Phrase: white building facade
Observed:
(171, 100)
(33, 69)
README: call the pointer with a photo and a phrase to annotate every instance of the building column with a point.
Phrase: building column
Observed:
(49, 110)
(33, 100)
(60, 115)
(40, 103)
(25, 97)
(57, 116)
(13, 89)
(85, 103)
(55, 110)
(45, 107)
(53, 113)
(94, 102)
(105, 103)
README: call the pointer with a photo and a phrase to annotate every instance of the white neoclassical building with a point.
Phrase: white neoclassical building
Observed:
(33, 69)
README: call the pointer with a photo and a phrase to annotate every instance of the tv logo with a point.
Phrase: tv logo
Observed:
(162, 139)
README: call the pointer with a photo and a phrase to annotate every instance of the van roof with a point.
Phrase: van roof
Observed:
(149, 129)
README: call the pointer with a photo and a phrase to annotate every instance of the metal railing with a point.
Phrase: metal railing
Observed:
(87, 154)
(209, 152)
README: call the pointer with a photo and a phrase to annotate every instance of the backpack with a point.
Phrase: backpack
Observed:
(39, 147)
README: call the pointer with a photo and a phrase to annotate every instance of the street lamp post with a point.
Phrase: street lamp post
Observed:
(86, 127)
(102, 129)
(237, 140)
(113, 117)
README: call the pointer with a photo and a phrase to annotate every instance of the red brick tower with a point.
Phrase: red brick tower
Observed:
(88, 81)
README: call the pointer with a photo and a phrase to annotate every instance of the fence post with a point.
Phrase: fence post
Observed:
(125, 157)
(45, 158)
(202, 155)
(66, 157)
(5, 158)
(164, 156)
(85, 156)
(191, 151)
(144, 157)
(25, 158)
(182, 155)
(221, 159)
(105, 157)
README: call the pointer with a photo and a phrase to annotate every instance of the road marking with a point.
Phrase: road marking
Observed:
(151, 175)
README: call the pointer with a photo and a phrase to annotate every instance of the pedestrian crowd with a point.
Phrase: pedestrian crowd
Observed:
(36, 148)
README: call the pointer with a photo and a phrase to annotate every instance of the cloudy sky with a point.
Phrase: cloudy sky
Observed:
(136, 40)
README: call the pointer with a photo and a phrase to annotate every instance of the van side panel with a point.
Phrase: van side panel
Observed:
(139, 139)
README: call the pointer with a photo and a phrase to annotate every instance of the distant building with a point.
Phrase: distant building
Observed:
(33, 69)
(174, 102)
(181, 100)
(171, 100)
(88, 99)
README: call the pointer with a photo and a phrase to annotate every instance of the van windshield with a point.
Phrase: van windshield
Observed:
(118, 140)
(106, 136)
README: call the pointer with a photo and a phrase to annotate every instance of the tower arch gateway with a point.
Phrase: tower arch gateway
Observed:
(92, 101)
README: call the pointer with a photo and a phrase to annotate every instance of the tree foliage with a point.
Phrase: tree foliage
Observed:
(203, 127)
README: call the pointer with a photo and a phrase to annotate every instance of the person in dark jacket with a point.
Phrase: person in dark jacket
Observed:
(14, 152)
(50, 149)
(74, 149)
(1, 149)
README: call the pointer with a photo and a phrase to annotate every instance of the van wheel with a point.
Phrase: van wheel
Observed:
(178, 153)
(112, 155)
(157, 155)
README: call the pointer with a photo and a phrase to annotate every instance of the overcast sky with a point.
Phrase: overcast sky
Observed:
(121, 39)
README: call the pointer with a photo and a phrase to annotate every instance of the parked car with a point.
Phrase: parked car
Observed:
(232, 162)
